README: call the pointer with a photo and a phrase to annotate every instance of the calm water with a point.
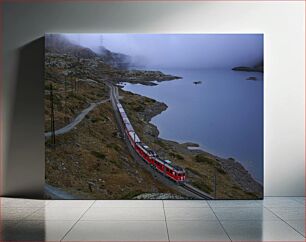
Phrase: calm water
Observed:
(224, 114)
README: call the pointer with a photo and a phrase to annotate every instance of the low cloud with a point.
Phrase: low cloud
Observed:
(181, 50)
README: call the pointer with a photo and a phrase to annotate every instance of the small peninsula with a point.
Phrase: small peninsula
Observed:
(257, 68)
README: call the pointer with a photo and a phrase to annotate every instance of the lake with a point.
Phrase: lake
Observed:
(223, 114)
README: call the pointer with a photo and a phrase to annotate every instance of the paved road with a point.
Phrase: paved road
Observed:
(77, 119)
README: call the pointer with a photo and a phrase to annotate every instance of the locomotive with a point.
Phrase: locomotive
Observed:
(166, 167)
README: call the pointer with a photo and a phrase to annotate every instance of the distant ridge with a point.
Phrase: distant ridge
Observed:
(257, 68)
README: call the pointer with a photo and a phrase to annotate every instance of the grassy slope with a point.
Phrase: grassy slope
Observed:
(91, 161)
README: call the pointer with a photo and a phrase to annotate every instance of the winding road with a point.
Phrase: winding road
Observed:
(77, 119)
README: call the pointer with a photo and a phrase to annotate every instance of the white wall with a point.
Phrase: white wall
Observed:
(283, 24)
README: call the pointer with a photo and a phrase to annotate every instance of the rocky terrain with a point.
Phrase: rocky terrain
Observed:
(100, 64)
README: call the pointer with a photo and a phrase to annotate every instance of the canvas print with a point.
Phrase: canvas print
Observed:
(153, 116)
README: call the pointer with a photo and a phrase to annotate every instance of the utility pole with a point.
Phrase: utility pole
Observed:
(52, 116)
(215, 184)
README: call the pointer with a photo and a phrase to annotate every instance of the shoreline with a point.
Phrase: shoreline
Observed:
(150, 134)
(190, 145)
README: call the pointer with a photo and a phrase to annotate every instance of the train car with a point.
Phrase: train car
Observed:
(119, 105)
(165, 167)
(159, 164)
(170, 170)
(175, 173)
(145, 152)
(133, 138)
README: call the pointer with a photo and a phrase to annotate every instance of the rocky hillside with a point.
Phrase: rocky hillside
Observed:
(58, 44)
(117, 60)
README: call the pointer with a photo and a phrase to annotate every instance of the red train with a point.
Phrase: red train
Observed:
(165, 167)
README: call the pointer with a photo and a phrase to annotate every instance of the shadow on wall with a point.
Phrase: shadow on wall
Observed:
(30, 230)
(25, 153)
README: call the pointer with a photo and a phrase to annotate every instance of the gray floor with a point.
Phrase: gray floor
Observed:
(274, 219)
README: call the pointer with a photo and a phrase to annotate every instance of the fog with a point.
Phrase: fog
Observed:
(180, 50)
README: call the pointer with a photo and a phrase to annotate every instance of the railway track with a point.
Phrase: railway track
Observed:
(180, 187)
(196, 191)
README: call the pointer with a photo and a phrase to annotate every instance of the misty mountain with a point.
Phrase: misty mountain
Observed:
(114, 59)
(57, 43)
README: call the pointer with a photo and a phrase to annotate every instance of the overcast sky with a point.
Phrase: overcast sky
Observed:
(181, 50)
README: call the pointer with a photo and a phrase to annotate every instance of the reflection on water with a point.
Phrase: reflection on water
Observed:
(223, 114)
